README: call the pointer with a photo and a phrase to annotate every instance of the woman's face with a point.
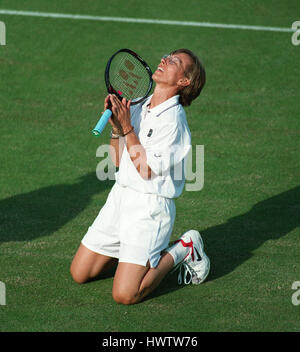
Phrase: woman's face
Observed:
(170, 71)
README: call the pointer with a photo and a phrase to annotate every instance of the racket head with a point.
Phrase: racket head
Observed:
(128, 76)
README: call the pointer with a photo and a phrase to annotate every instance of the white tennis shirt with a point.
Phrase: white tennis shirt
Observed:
(164, 133)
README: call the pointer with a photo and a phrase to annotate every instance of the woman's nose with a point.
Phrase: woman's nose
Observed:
(164, 60)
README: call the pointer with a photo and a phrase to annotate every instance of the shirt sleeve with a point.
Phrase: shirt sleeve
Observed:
(173, 148)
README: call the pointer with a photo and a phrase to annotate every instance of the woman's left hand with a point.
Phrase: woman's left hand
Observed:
(121, 111)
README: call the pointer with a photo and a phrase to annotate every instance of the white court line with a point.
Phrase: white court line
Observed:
(143, 20)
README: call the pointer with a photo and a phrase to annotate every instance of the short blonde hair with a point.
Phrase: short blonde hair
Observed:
(196, 74)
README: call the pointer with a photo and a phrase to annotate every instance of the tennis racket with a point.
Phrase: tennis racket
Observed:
(128, 76)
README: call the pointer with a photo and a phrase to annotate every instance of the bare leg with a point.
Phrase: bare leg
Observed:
(133, 282)
(88, 264)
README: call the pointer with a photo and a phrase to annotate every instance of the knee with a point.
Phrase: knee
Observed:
(77, 276)
(125, 298)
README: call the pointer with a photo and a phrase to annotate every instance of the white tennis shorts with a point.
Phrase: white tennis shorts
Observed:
(132, 226)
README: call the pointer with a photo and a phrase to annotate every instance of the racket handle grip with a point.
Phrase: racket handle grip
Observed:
(102, 122)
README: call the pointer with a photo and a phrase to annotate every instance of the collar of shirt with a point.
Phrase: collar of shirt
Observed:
(159, 109)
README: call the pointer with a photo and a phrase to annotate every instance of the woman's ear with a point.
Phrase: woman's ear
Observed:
(183, 82)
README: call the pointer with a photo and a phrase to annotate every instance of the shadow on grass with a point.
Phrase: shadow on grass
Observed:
(40, 213)
(230, 244)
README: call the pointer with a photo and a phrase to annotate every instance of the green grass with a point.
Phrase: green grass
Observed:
(51, 94)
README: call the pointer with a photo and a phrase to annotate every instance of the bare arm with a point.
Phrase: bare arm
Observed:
(137, 153)
(116, 142)
(116, 150)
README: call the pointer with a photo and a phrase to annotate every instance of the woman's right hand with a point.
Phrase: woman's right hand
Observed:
(117, 129)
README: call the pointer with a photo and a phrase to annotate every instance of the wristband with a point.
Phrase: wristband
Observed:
(114, 135)
(131, 130)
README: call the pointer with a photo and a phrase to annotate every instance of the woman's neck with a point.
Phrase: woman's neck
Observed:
(160, 95)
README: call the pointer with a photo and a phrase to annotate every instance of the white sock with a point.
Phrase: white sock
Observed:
(178, 252)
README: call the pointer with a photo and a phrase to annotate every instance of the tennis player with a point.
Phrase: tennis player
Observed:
(149, 143)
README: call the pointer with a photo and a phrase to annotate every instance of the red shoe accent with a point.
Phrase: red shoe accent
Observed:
(187, 244)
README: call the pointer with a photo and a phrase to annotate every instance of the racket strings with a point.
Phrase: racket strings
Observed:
(128, 76)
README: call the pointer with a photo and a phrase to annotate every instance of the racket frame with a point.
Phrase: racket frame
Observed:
(110, 88)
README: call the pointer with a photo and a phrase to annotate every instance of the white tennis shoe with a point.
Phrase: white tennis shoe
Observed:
(195, 267)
